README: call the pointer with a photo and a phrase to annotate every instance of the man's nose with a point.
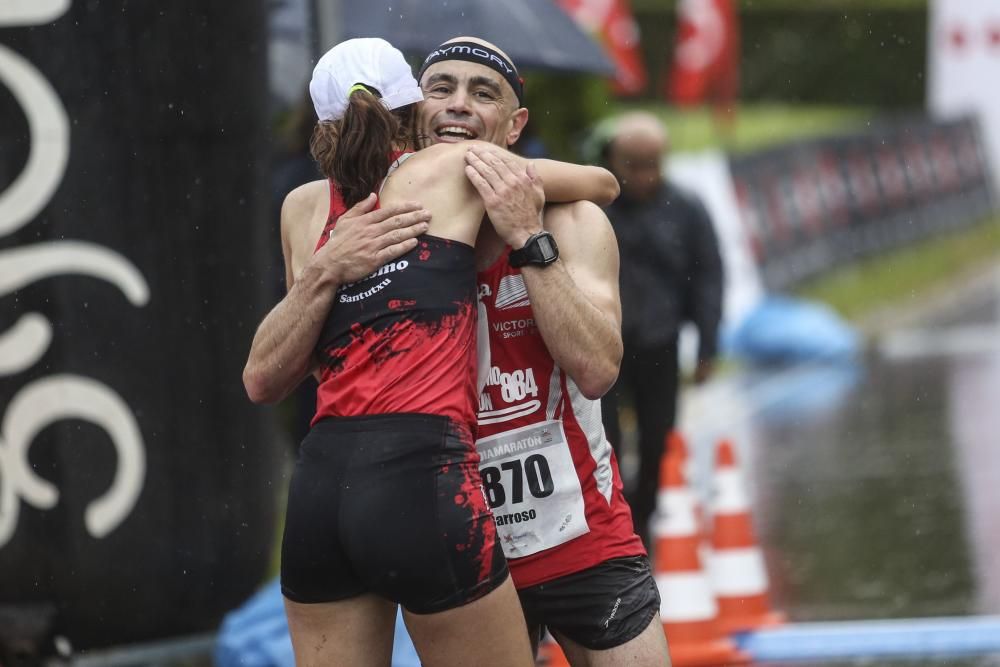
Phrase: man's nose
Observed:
(458, 102)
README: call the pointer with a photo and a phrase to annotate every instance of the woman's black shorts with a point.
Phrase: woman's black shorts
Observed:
(391, 505)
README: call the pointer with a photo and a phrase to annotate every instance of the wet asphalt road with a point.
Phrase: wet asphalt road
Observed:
(875, 485)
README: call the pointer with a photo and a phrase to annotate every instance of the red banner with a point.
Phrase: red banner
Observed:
(612, 23)
(706, 57)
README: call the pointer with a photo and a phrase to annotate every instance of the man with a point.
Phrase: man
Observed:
(673, 275)
(550, 294)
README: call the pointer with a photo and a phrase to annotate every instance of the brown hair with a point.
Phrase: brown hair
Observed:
(355, 151)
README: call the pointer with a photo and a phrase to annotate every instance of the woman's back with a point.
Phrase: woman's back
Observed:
(402, 339)
(436, 177)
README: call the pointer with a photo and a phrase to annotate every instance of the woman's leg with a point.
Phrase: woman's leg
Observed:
(356, 631)
(488, 632)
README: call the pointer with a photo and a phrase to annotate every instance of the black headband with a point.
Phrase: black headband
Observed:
(474, 52)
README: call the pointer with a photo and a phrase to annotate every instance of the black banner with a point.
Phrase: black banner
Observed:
(137, 489)
(813, 205)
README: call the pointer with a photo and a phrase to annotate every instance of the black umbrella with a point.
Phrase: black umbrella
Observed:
(536, 34)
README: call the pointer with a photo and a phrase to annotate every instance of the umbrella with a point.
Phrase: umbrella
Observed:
(536, 34)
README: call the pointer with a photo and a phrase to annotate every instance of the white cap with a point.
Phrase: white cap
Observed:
(371, 61)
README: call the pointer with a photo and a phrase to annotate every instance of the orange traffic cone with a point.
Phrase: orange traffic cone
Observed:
(736, 566)
(550, 654)
(688, 610)
(677, 444)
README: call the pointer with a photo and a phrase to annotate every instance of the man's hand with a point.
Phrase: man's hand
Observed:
(703, 371)
(363, 239)
(512, 193)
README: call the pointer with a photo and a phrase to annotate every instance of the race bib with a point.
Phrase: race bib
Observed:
(531, 484)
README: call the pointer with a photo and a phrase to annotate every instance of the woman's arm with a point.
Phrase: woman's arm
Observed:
(282, 352)
(567, 182)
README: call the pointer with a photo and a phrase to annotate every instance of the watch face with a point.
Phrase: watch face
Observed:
(545, 245)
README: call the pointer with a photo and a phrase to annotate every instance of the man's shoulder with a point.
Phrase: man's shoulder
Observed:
(675, 194)
(575, 217)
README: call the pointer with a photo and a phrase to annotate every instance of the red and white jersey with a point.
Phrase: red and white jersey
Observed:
(548, 471)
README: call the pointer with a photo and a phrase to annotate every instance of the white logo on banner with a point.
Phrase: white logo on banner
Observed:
(50, 399)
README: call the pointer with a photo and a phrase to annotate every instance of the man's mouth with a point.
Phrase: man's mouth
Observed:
(454, 133)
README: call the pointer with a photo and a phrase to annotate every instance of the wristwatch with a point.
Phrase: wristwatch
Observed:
(539, 250)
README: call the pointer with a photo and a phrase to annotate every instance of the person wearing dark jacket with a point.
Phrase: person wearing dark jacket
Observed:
(671, 273)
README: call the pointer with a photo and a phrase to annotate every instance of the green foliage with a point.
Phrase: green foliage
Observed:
(563, 109)
(833, 54)
(901, 276)
(566, 130)
(751, 127)
(822, 54)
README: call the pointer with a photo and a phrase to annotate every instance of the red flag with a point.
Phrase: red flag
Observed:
(706, 58)
(611, 21)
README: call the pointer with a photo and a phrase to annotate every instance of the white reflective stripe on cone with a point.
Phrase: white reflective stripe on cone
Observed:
(730, 493)
(737, 572)
(674, 514)
(685, 597)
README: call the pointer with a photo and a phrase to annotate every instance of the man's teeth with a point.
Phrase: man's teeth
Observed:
(455, 130)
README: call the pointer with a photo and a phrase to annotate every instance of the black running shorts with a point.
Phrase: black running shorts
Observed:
(599, 608)
(391, 505)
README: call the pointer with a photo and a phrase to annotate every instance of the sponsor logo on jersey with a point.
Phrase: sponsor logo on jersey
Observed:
(384, 270)
(511, 293)
(514, 387)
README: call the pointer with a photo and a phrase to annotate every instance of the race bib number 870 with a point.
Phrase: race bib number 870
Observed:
(531, 484)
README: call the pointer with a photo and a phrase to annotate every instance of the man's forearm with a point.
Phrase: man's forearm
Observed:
(282, 351)
(582, 340)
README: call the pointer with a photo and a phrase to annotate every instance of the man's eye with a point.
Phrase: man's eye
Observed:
(484, 95)
(440, 90)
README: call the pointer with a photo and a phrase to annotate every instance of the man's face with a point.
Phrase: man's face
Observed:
(637, 161)
(465, 100)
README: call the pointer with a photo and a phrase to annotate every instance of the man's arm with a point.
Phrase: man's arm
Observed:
(707, 288)
(281, 354)
(575, 299)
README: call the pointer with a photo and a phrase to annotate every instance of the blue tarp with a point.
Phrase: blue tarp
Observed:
(782, 330)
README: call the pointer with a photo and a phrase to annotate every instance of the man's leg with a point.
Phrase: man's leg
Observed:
(606, 615)
(649, 649)
(656, 406)
(611, 402)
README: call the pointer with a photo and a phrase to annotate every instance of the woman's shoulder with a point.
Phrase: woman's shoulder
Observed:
(303, 200)
(305, 209)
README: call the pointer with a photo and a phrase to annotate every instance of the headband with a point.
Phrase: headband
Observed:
(474, 52)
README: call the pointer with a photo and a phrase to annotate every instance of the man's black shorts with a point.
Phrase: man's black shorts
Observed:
(599, 608)
(391, 505)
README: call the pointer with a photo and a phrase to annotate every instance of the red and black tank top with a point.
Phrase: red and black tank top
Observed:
(402, 340)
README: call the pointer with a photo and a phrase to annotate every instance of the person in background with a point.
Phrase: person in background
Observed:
(671, 273)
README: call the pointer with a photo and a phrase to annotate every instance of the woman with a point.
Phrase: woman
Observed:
(385, 505)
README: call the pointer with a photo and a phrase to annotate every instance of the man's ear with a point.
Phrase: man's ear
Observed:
(517, 122)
